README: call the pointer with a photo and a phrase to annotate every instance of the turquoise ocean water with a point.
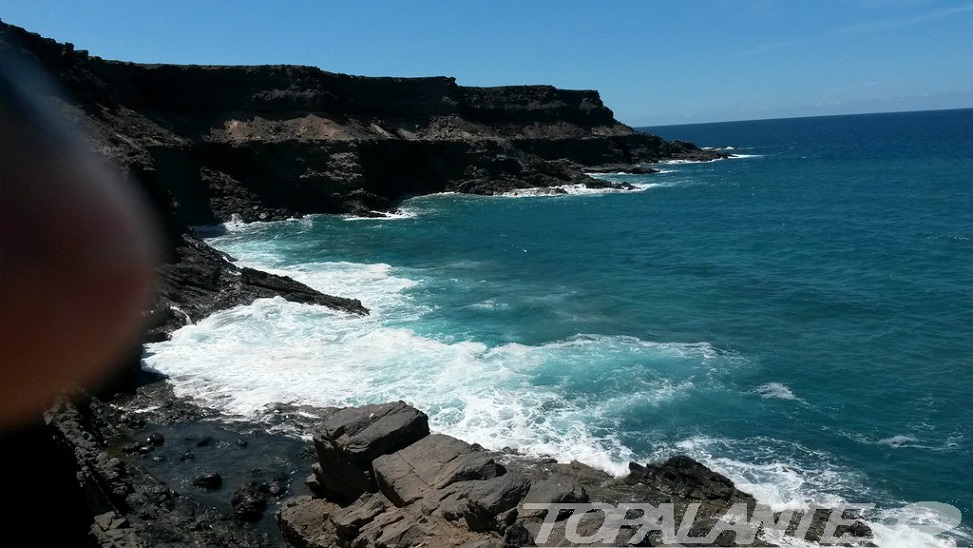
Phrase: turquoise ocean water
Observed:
(799, 317)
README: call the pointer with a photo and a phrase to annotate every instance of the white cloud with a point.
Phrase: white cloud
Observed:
(760, 49)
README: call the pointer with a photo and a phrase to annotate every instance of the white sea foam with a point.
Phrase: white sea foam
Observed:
(792, 484)
(247, 358)
(684, 162)
(242, 360)
(374, 284)
(236, 225)
(579, 189)
(730, 157)
(918, 525)
(402, 213)
(776, 390)
(898, 441)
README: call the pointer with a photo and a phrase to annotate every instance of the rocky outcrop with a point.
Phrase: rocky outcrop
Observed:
(200, 281)
(412, 486)
(351, 439)
(415, 488)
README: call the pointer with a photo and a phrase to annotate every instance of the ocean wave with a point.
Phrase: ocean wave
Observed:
(236, 225)
(898, 441)
(788, 476)
(685, 162)
(400, 214)
(776, 390)
(908, 441)
(569, 190)
(537, 398)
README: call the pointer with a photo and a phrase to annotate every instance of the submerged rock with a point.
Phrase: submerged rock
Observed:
(249, 503)
(209, 481)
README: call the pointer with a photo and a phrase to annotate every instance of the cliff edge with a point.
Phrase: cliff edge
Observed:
(272, 142)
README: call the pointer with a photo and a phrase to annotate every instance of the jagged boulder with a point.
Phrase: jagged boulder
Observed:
(685, 478)
(352, 438)
(479, 503)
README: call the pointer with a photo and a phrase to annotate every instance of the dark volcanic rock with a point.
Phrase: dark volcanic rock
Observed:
(305, 522)
(201, 280)
(684, 478)
(352, 438)
(209, 481)
(249, 503)
(350, 520)
(65, 467)
(485, 500)
(557, 488)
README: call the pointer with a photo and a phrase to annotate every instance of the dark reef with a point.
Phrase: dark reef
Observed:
(207, 145)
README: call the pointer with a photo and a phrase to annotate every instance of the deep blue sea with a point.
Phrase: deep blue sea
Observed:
(799, 317)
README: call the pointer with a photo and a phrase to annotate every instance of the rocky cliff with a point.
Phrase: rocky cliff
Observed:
(207, 144)
(269, 142)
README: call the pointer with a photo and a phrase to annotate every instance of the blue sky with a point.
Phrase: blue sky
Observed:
(655, 62)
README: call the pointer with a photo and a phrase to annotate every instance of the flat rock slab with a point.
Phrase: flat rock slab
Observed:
(558, 488)
(430, 464)
(304, 522)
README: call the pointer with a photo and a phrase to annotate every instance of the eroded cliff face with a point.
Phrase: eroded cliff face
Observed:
(271, 142)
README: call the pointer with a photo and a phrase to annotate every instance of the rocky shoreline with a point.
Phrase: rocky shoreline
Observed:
(149, 469)
(213, 144)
